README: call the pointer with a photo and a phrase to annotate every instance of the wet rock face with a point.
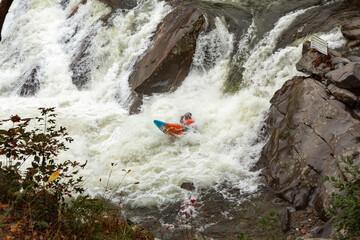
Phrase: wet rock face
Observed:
(31, 84)
(309, 134)
(121, 4)
(312, 125)
(80, 66)
(168, 61)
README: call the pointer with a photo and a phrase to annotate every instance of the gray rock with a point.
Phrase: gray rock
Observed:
(285, 220)
(347, 77)
(351, 24)
(313, 62)
(188, 186)
(353, 44)
(342, 60)
(308, 135)
(353, 58)
(301, 198)
(168, 62)
(30, 84)
(352, 34)
(343, 95)
(334, 53)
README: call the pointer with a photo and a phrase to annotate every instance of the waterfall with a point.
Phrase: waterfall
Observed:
(42, 40)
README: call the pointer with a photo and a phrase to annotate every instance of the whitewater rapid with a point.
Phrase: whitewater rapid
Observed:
(226, 145)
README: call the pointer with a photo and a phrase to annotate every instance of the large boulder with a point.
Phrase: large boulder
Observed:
(309, 133)
(168, 61)
(347, 77)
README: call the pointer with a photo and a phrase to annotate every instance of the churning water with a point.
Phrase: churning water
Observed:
(40, 34)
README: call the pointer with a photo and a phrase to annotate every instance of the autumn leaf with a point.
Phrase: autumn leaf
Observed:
(2, 206)
(54, 176)
(15, 118)
(13, 228)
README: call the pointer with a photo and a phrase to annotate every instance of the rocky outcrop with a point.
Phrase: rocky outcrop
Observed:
(313, 124)
(310, 133)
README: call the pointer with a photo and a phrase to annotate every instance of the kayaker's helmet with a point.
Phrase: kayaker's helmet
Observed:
(187, 116)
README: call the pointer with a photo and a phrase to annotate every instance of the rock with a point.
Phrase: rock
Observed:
(80, 66)
(352, 34)
(338, 60)
(121, 4)
(353, 23)
(168, 61)
(351, 29)
(334, 53)
(353, 58)
(31, 84)
(136, 104)
(343, 95)
(285, 220)
(188, 186)
(308, 135)
(4, 8)
(353, 43)
(325, 230)
(347, 77)
(313, 62)
(301, 198)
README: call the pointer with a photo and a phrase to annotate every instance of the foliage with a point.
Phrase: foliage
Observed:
(36, 190)
(346, 203)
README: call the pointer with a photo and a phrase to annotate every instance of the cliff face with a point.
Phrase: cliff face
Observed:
(313, 124)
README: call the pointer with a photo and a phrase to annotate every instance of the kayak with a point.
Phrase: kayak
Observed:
(171, 128)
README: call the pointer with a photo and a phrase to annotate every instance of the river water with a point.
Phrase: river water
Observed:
(40, 35)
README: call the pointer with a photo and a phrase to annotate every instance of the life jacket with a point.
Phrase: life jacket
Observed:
(189, 121)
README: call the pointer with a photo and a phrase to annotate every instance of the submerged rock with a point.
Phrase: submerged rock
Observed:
(121, 4)
(31, 83)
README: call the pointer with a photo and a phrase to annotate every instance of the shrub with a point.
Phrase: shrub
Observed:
(34, 185)
(346, 203)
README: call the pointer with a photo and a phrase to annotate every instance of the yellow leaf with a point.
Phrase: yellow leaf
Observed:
(54, 176)
(13, 228)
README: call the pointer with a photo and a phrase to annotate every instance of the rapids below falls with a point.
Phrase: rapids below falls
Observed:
(217, 160)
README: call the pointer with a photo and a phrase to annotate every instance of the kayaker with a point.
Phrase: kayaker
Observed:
(186, 119)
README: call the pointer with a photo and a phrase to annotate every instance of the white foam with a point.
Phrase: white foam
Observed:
(225, 146)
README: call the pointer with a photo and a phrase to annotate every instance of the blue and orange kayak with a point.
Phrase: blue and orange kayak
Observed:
(171, 128)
